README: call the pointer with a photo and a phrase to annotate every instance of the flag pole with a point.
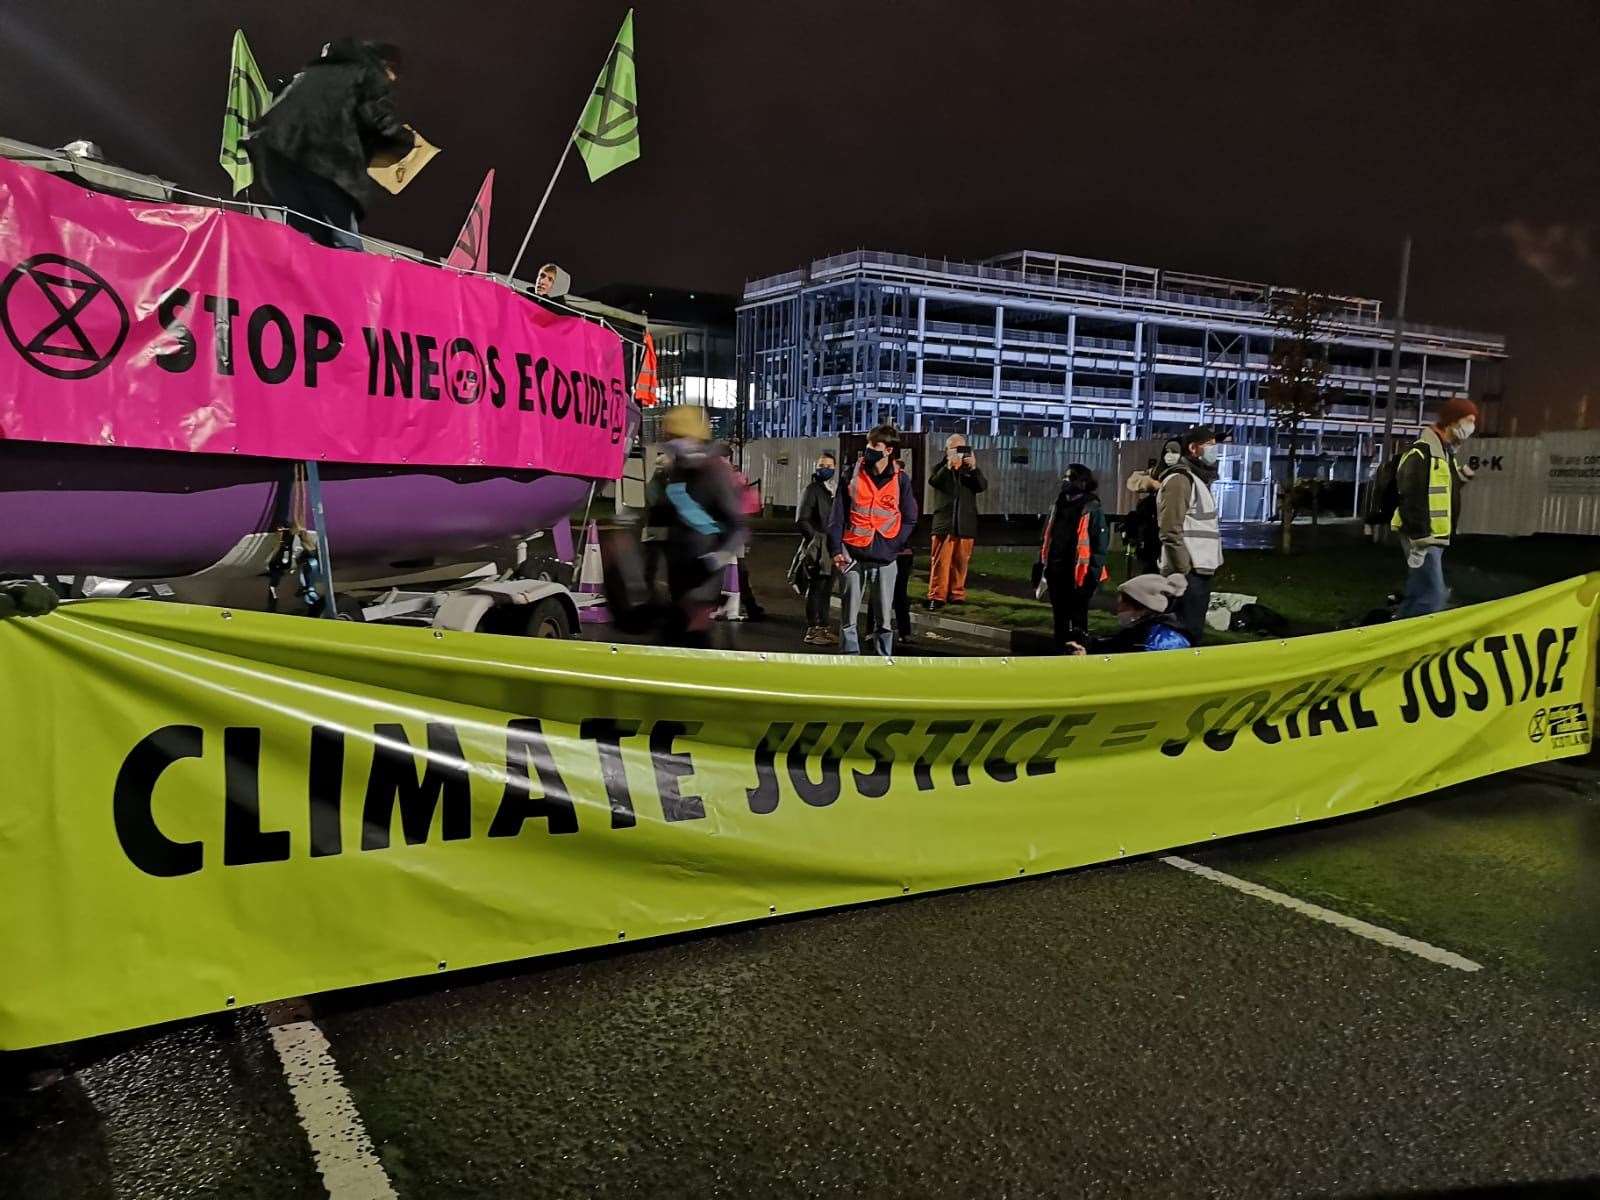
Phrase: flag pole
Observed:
(538, 212)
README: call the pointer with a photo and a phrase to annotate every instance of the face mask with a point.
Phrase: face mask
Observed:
(1209, 454)
(1465, 429)
(1171, 458)
(873, 457)
(824, 473)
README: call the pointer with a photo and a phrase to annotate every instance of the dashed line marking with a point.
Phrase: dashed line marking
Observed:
(1376, 933)
(344, 1154)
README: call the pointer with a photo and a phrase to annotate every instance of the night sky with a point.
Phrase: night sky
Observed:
(1292, 141)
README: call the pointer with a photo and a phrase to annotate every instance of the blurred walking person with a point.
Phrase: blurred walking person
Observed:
(812, 515)
(956, 482)
(705, 524)
(874, 513)
(1072, 556)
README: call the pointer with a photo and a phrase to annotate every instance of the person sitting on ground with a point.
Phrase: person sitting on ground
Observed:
(811, 515)
(1145, 612)
(311, 149)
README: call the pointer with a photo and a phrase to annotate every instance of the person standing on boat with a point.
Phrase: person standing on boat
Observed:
(311, 149)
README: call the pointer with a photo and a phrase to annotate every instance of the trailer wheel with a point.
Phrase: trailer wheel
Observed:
(348, 608)
(549, 619)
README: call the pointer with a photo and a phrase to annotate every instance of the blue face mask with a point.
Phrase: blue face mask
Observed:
(823, 474)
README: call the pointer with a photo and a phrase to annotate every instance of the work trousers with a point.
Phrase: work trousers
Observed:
(947, 573)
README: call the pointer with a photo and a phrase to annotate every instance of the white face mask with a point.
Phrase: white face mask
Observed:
(1209, 453)
(1171, 458)
(1464, 429)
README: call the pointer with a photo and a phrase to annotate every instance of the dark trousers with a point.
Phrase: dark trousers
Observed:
(818, 593)
(1192, 605)
(902, 595)
(310, 196)
(1069, 605)
(747, 594)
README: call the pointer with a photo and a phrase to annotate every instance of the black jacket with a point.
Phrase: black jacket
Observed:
(335, 116)
(816, 506)
(1062, 551)
(955, 503)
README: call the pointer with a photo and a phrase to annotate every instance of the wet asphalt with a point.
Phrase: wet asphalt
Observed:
(1129, 1030)
(1126, 1030)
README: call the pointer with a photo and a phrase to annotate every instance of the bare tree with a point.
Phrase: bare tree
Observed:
(1297, 388)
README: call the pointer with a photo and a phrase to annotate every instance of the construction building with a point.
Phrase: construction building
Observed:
(1033, 344)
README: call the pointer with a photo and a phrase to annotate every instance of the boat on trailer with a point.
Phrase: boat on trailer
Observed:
(237, 529)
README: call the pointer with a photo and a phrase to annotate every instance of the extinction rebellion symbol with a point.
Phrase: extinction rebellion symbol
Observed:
(63, 318)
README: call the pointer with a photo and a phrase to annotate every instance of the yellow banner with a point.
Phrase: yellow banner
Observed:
(210, 809)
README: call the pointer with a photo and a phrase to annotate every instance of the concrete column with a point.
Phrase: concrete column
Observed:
(994, 387)
(1422, 387)
(1134, 392)
(922, 335)
(1072, 351)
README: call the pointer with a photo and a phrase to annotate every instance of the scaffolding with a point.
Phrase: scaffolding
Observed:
(1035, 344)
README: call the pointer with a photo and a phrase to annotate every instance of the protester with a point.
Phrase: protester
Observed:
(956, 482)
(1428, 483)
(705, 524)
(311, 149)
(905, 564)
(1072, 556)
(749, 506)
(1145, 613)
(874, 513)
(1141, 526)
(1191, 535)
(812, 514)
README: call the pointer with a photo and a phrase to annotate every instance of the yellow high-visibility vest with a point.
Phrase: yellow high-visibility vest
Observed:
(1440, 490)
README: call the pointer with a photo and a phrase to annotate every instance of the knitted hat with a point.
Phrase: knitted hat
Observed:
(686, 421)
(1155, 592)
(1455, 409)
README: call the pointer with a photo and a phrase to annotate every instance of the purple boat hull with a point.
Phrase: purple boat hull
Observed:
(72, 510)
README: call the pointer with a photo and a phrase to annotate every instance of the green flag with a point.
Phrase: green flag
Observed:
(248, 98)
(608, 131)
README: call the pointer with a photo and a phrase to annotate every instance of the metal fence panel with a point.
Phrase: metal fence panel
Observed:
(1507, 493)
(1571, 477)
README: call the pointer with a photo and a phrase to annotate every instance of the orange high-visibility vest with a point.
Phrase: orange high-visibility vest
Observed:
(873, 509)
(1080, 564)
(644, 387)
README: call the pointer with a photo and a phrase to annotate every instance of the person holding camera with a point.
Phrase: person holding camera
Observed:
(956, 483)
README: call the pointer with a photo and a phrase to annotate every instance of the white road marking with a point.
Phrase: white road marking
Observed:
(1376, 933)
(344, 1153)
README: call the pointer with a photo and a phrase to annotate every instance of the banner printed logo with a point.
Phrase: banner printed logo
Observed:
(62, 316)
(471, 233)
(626, 113)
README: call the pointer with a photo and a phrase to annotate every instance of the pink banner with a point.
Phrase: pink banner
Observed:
(171, 327)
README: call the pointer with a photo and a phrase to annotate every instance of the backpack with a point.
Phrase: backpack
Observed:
(1385, 496)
